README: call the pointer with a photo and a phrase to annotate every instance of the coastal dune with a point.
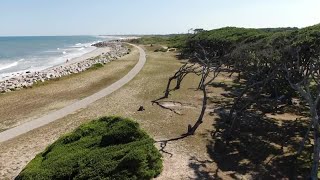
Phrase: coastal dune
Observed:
(46, 119)
(22, 106)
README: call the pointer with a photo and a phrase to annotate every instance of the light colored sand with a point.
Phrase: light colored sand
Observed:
(187, 154)
(51, 97)
(284, 116)
(88, 55)
(19, 107)
(26, 127)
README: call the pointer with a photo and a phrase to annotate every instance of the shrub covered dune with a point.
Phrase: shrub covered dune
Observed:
(107, 148)
(273, 73)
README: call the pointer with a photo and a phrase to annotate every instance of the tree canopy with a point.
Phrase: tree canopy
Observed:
(274, 64)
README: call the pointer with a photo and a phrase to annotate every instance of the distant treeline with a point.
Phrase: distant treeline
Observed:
(231, 34)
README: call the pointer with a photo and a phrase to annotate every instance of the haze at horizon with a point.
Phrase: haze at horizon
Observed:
(35, 17)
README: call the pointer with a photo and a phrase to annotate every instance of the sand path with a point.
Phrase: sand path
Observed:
(26, 127)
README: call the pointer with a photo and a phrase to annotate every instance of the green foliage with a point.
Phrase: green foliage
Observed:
(160, 50)
(96, 66)
(258, 53)
(231, 34)
(274, 67)
(107, 148)
(168, 40)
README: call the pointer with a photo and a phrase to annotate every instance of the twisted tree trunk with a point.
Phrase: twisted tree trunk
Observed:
(306, 94)
(192, 130)
(204, 75)
(167, 91)
(179, 80)
(305, 138)
(316, 148)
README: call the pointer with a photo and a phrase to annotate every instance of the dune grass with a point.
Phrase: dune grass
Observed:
(107, 148)
(20, 106)
(96, 66)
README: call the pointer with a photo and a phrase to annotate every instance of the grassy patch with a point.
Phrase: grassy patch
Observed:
(96, 66)
(54, 94)
(107, 148)
(172, 40)
(160, 50)
(39, 83)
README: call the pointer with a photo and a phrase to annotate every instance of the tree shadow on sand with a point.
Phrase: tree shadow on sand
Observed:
(200, 169)
(258, 147)
(261, 147)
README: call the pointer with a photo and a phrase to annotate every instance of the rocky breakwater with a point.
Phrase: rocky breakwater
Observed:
(28, 78)
(114, 43)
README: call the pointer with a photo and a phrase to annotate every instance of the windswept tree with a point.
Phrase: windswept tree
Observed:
(293, 61)
(273, 67)
(207, 59)
(258, 64)
(211, 56)
(179, 75)
(301, 62)
(198, 30)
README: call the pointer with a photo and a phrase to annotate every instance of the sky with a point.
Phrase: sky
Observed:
(96, 17)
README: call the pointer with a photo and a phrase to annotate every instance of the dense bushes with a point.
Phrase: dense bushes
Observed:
(275, 70)
(108, 148)
(172, 41)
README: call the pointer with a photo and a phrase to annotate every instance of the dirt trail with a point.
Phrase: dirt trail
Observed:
(26, 127)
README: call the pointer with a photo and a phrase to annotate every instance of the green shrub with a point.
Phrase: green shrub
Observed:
(160, 50)
(107, 148)
(96, 66)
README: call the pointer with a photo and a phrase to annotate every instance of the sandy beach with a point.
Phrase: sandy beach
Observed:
(145, 87)
(22, 106)
(83, 103)
(102, 55)
(94, 53)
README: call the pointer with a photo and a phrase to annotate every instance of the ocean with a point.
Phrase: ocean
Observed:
(35, 53)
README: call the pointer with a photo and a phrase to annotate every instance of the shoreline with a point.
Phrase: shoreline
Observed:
(80, 104)
(38, 58)
(22, 106)
(109, 52)
(94, 53)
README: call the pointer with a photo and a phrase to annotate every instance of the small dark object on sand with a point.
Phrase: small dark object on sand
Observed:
(141, 108)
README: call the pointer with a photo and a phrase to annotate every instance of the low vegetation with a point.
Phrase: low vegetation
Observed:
(275, 71)
(96, 66)
(174, 40)
(161, 50)
(107, 148)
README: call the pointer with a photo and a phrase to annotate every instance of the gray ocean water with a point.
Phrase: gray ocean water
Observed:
(34, 53)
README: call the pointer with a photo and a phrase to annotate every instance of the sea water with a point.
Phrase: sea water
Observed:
(35, 53)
